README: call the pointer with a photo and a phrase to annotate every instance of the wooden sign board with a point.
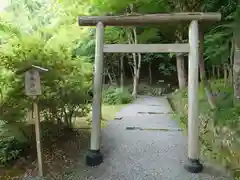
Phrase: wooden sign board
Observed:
(32, 83)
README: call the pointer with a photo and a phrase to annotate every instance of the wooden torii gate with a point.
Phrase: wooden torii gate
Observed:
(94, 156)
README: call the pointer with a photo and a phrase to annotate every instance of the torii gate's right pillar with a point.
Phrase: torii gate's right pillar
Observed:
(193, 165)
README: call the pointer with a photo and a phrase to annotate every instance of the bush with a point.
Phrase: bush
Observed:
(114, 95)
(219, 128)
(65, 86)
(10, 149)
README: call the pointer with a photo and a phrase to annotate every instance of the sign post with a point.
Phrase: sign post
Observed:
(38, 135)
(33, 90)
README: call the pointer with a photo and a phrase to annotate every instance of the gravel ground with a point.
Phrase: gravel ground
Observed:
(143, 155)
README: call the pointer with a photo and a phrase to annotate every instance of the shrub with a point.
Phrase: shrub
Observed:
(219, 128)
(65, 86)
(114, 95)
(10, 149)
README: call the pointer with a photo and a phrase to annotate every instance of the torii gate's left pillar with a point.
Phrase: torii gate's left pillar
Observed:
(94, 156)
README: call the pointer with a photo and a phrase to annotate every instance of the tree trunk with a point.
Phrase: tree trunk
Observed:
(132, 39)
(218, 72)
(236, 63)
(139, 66)
(181, 71)
(230, 75)
(150, 72)
(207, 73)
(114, 76)
(110, 77)
(131, 69)
(231, 62)
(135, 78)
(180, 63)
(236, 71)
(225, 72)
(207, 87)
(122, 72)
(205, 83)
(104, 77)
(213, 72)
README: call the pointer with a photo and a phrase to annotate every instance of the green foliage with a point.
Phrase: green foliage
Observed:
(226, 113)
(167, 68)
(45, 33)
(42, 33)
(219, 128)
(114, 95)
(217, 43)
(10, 150)
(218, 39)
(65, 86)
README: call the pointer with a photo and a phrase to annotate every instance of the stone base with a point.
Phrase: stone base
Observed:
(193, 166)
(94, 157)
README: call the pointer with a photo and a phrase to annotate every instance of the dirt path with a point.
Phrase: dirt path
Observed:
(143, 154)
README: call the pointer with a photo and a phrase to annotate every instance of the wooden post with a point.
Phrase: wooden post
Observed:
(193, 164)
(94, 156)
(122, 72)
(38, 136)
(33, 89)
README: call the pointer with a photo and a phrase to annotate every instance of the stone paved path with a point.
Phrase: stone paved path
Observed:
(143, 155)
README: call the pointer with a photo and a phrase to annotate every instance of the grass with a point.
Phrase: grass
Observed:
(108, 113)
(219, 128)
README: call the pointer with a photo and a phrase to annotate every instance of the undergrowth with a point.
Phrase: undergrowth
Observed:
(114, 95)
(10, 149)
(219, 128)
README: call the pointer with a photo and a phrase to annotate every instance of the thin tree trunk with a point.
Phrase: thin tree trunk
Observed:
(136, 62)
(131, 68)
(225, 72)
(132, 39)
(181, 71)
(218, 72)
(139, 66)
(236, 72)
(104, 77)
(110, 77)
(206, 85)
(180, 64)
(230, 75)
(150, 72)
(231, 62)
(114, 76)
(213, 72)
(122, 72)
(236, 63)
(134, 92)
(208, 74)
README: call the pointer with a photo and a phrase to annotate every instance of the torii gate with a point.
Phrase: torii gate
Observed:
(94, 156)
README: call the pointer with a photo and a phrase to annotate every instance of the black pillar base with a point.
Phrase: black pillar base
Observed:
(193, 166)
(94, 157)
